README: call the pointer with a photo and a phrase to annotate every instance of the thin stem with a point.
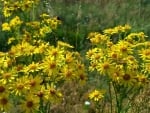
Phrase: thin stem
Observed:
(116, 97)
(111, 106)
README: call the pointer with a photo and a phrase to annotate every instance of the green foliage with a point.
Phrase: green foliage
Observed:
(83, 16)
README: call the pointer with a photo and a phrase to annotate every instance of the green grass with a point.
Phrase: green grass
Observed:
(84, 16)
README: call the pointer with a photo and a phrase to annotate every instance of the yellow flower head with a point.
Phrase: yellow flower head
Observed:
(15, 22)
(96, 95)
(5, 104)
(6, 27)
(30, 104)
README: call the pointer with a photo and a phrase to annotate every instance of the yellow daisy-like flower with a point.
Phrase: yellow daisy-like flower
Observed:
(142, 80)
(30, 104)
(3, 90)
(50, 66)
(96, 95)
(145, 54)
(19, 86)
(15, 22)
(116, 73)
(44, 30)
(8, 11)
(5, 104)
(53, 95)
(7, 77)
(128, 78)
(105, 67)
(34, 83)
(6, 27)
(124, 48)
(68, 73)
(33, 67)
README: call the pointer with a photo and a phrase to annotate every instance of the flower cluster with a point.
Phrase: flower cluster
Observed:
(32, 71)
(126, 61)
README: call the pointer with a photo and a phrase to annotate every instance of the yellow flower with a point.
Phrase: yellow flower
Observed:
(30, 104)
(41, 93)
(135, 38)
(8, 11)
(15, 22)
(7, 77)
(27, 5)
(96, 95)
(6, 27)
(142, 80)
(105, 67)
(68, 73)
(128, 78)
(117, 73)
(33, 67)
(97, 38)
(52, 22)
(50, 66)
(124, 48)
(4, 90)
(53, 95)
(34, 83)
(19, 87)
(44, 30)
(145, 54)
(5, 104)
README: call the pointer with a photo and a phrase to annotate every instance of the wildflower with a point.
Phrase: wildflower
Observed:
(44, 30)
(52, 22)
(19, 86)
(8, 11)
(7, 77)
(124, 48)
(69, 59)
(128, 78)
(135, 38)
(33, 67)
(15, 22)
(68, 73)
(142, 79)
(41, 92)
(96, 95)
(55, 52)
(30, 104)
(144, 54)
(105, 67)
(5, 104)
(116, 73)
(3, 90)
(93, 66)
(6, 27)
(53, 95)
(34, 83)
(26, 5)
(50, 66)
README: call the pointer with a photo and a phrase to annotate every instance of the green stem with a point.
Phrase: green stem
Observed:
(110, 94)
(117, 99)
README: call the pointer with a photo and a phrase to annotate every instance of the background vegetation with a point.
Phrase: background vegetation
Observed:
(83, 16)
